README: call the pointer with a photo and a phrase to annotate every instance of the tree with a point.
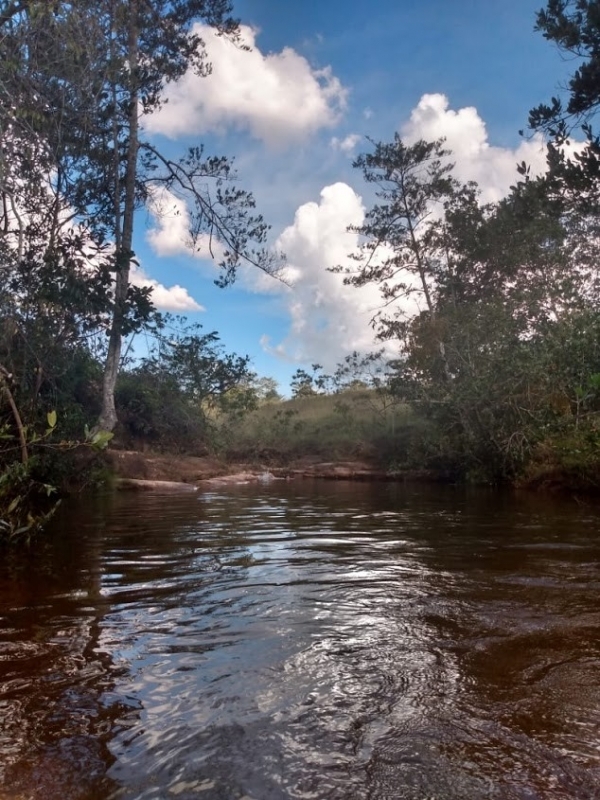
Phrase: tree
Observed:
(305, 384)
(266, 389)
(574, 26)
(518, 251)
(86, 73)
(499, 284)
(404, 248)
(167, 398)
(400, 249)
(512, 314)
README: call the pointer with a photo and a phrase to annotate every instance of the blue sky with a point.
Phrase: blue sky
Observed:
(322, 75)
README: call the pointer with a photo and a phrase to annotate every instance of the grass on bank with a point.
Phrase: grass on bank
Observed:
(350, 425)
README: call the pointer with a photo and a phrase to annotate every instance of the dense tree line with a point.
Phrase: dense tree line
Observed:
(496, 307)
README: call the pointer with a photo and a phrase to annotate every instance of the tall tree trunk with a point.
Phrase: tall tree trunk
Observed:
(124, 236)
(416, 248)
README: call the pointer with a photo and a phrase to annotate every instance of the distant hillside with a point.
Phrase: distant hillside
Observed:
(351, 424)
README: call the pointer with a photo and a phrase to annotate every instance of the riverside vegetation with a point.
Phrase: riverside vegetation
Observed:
(496, 378)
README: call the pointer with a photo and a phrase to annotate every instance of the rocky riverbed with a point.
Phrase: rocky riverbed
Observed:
(151, 471)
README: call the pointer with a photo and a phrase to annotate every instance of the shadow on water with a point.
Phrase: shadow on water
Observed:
(56, 709)
(309, 640)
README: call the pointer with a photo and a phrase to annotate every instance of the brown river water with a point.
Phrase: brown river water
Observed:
(304, 640)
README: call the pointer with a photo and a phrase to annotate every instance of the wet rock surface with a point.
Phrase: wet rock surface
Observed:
(173, 472)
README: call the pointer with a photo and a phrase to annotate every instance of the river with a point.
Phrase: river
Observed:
(304, 640)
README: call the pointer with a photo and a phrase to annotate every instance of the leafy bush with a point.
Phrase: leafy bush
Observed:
(154, 411)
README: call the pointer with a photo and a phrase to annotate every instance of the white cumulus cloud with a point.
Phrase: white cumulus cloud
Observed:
(170, 232)
(492, 167)
(347, 144)
(328, 320)
(278, 97)
(165, 298)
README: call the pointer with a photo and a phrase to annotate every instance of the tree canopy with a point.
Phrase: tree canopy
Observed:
(77, 78)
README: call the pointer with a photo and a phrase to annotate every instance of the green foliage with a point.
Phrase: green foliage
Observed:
(567, 459)
(155, 411)
(349, 424)
(73, 172)
(503, 358)
(303, 384)
(196, 361)
(100, 66)
(266, 390)
(26, 502)
(574, 26)
(508, 381)
(34, 466)
(170, 398)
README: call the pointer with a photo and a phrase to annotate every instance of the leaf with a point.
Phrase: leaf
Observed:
(15, 502)
(100, 439)
(51, 419)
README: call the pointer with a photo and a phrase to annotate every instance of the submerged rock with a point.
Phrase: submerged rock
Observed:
(154, 486)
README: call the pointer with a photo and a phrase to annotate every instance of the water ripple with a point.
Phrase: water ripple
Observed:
(291, 642)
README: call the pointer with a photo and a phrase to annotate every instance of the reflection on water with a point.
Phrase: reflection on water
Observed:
(304, 641)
